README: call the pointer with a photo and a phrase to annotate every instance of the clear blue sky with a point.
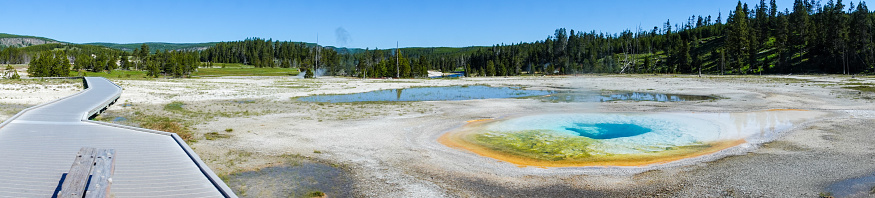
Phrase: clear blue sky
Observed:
(413, 23)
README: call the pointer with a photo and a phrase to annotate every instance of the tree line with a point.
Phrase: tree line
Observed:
(58, 60)
(810, 37)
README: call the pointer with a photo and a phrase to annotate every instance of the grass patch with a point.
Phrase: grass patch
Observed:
(37, 81)
(174, 106)
(115, 74)
(537, 144)
(228, 65)
(167, 124)
(862, 88)
(858, 84)
(200, 112)
(215, 136)
(12, 109)
(825, 195)
(315, 194)
(789, 80)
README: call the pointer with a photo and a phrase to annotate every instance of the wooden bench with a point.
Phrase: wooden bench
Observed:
(90, 175)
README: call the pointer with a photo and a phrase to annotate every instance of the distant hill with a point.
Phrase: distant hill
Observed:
(157, 46)
(12, 40)
(8, 40)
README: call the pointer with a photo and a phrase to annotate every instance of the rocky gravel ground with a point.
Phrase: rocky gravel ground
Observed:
(390, 149)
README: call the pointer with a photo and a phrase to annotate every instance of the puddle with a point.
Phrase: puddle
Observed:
(618, 139)
(622, 96)
(243, 101)
(855, 187)
(429, 94)
(302, 179)
(119, 119)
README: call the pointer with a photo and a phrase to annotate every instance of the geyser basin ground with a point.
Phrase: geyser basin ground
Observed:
(618, 139)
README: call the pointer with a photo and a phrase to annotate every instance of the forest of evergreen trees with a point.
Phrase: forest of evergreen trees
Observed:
(810, 37)
(58, 60)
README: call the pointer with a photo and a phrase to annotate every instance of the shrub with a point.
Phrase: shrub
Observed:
(316, 194)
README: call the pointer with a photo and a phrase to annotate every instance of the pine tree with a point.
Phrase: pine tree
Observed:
(490, 68)
(861, 31)
(83, 61)
(754, 42)
(99, 64)
(144, 51)
(799, 29)
(782, 41)
(111, 63)
(124, 64)
(685, 60)
(773, 17)
(11, 73)
(738, 38)
(38, 67)
(63, 65)
(762, 24)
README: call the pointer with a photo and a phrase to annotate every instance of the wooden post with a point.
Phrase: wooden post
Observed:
(74, 183)
(101, 173)
(93, 163)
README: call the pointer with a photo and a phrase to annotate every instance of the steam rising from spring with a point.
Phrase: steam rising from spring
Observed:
(342, 36)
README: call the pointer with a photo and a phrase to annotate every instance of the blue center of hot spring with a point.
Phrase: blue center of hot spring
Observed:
(607, 131)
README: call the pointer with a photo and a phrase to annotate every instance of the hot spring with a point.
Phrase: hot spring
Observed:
(618, 139)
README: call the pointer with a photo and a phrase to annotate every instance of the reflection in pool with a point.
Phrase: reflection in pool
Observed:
(618, 139)
(487, 92)
(429, 94)
(618, 96)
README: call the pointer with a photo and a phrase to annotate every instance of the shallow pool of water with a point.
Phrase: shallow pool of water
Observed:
(429, 94)
(302, 179)
(487, 92)
(856, 187)
(243, 101)
(622, 96)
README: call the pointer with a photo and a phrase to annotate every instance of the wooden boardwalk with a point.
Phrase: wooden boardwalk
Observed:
(39, 144)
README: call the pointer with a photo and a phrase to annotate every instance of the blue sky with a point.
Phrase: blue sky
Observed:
(412, 23)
